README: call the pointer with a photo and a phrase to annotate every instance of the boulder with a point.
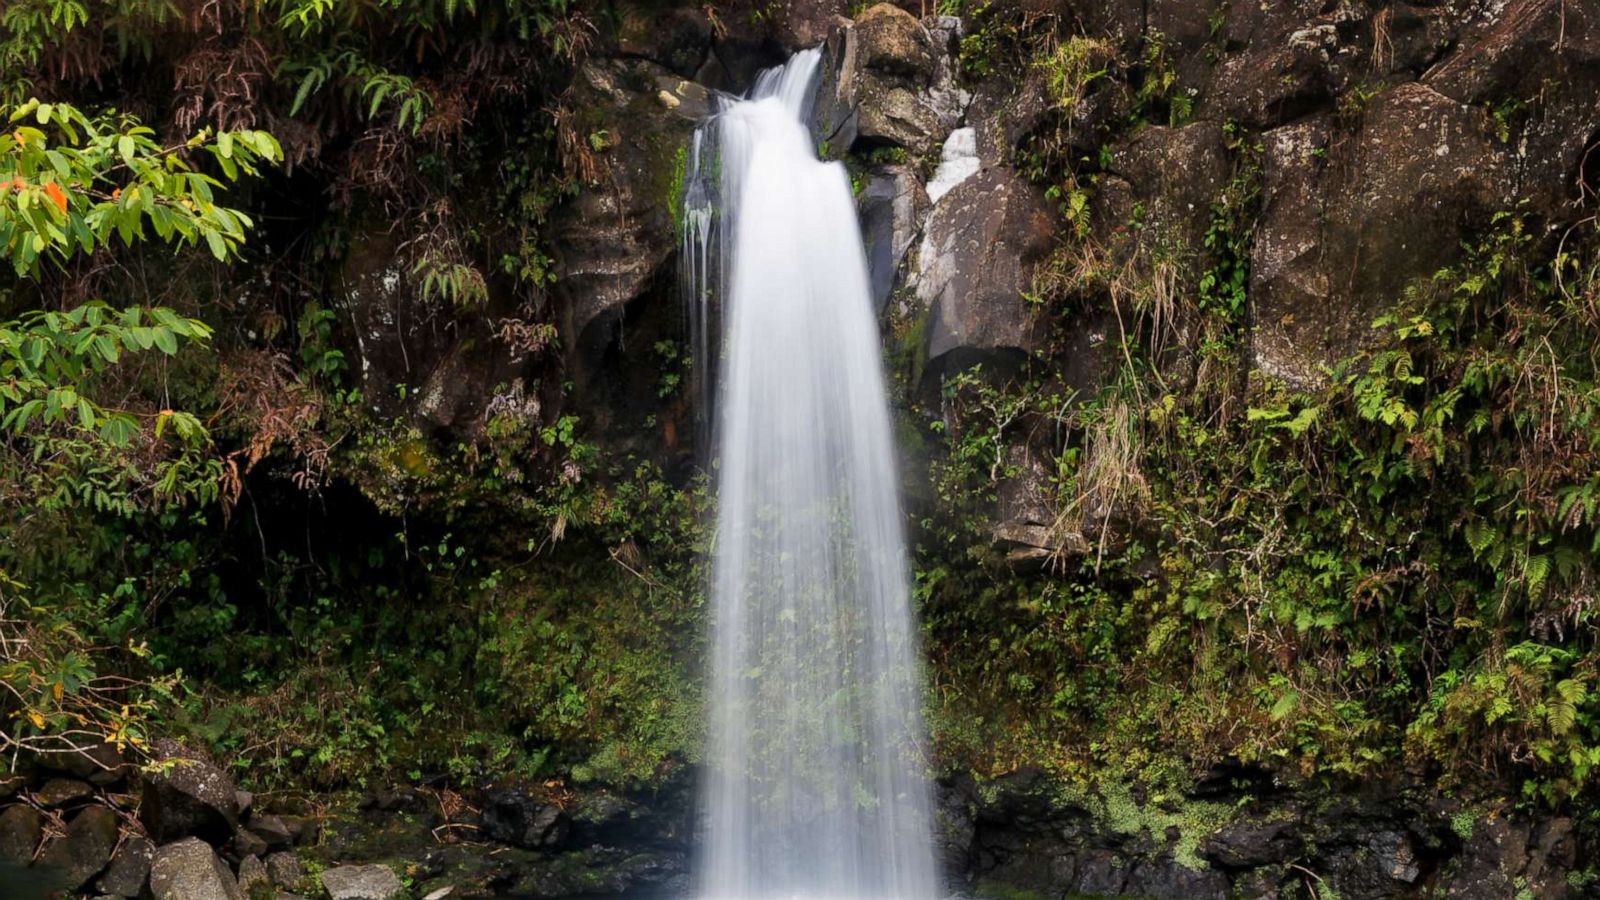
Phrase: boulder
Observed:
(977, 260)
(1174, 175)
(86, 847)
(253, 878)
(876, 76)
(1538, 62)
(188, 795)
(518, 817)
(284, 869)
(20, 829)
(129, 870)
(62, 791)
(1025, 523)
(1280, 62)
(270, 829)
(247, 843)
(303, 830)
(190, 870)
(361, 883)
(1347, 225)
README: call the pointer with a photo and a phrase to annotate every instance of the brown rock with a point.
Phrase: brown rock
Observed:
(1347, 225)
(983, 242)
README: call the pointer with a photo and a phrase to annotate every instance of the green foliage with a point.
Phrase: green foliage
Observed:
(1394, 568)
(68, 190)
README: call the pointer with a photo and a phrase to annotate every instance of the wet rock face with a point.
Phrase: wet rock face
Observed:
(1349, 220)
(977, 259)
(614, 243)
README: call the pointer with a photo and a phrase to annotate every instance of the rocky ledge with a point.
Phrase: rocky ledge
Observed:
(180, 830)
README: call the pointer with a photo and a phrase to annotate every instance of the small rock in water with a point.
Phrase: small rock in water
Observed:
(361, 883)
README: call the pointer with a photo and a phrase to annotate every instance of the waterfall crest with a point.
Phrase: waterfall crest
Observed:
(817, 782)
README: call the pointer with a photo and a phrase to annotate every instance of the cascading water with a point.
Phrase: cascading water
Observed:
(817, 783)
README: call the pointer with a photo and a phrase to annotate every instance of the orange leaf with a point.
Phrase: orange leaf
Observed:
(53, 191)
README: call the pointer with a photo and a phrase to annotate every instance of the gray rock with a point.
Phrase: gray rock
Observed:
(271, 829)
(1026, 524)
(20, 830)
(978, 256)
(190, 795)
(303, 830)
(893, 207)
(674, 37)
(191, 870)
(361, 883)
(129, 869)
(517, 817)
(85, 849)
(62, 791)
(285, 869)
(1249, 843)
(1395, 856)
(247, 843)
(253, 878)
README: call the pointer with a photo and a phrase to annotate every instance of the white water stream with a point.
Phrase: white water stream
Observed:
(817, 783)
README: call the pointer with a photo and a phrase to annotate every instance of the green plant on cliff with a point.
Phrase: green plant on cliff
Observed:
(1394, 568)
(80, 436)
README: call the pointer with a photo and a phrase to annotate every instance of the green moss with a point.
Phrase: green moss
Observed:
(675, 188)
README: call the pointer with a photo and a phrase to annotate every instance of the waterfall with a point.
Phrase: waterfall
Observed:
(817, 782)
